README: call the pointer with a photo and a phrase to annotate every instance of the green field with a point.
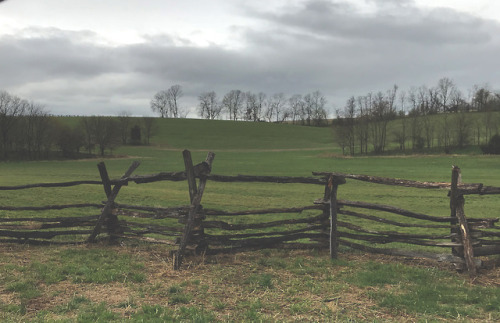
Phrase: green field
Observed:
(135, 282)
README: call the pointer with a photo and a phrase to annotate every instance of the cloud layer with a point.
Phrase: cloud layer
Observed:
(331, 46)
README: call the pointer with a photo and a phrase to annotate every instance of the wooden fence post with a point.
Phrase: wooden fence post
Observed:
(457, 202)
(112, 219)
(455, 179)
(333, 183)
(195, 193)
(106, 210)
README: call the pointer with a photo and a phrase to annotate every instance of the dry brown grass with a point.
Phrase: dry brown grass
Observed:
(220, 284)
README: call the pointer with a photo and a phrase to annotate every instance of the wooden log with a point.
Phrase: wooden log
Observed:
(212, 212)
(140, 233)
(261, 234)
(171, 176)
(386, 239)
(64, 184)
(181, 176)
(281, 246)
(485, 242)
(386, 221)
(159, 212)
(40, 234)
(59, 219)
(54, 225)
(403, 252)
(268, 241)
(195, 195)
(392, 234)
(386, 181)
(148, 239)
(487, 250)
(228, 226)
(387, 208)
(486, 233)
(486, 190)
(267, 179)
(49, 207)
(109, 204)
(155, 227)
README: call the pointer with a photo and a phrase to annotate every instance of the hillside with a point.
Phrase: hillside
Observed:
(219, 134)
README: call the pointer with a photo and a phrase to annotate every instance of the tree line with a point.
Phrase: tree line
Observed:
(437, 117)
(308, 109)
(29, 132)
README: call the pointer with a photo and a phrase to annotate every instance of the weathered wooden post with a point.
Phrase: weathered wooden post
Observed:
(331, 195)
(457, 202)
(201, 170)
(112, 219)
(106, 210)
(455, 179)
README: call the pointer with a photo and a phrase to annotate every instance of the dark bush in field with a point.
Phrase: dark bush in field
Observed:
(493, 146)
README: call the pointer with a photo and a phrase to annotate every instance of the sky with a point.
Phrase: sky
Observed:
(97, 57)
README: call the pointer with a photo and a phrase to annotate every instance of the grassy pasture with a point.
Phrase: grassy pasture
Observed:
(135, 282)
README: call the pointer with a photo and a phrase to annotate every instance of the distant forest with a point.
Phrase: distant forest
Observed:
(28, 132)
(438, 118)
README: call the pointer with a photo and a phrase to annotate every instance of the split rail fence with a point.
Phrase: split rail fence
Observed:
(324, 224)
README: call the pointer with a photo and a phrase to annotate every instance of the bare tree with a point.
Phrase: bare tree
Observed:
(254, 104)
(378, 122)
(462, 129)
(260, 106)
(349, 124)
(124, 126)
(209, 106)
(315, 108)
(400, 132)
(149, 128)
(166, 103)
(232, 103)
(36, 130)
(296, 104)
(159, 103)
(88, 134)
(445, 88)
(69, 140)
(106, 133)
(362, 127)
(481, 98)
(173, 95)
(11, 110)
(276, 108)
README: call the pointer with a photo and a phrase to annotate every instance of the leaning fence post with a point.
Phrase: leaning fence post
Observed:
(112, 222)
(201, 170)
(457, 206)
(106, 210)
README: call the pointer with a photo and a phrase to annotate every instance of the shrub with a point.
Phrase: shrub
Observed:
(493, 146)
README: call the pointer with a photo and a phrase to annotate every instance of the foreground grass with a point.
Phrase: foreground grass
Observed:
(136, 283)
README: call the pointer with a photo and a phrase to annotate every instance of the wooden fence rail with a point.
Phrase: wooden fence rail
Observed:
(327, 223)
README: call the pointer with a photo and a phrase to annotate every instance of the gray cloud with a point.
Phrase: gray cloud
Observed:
(321, 45)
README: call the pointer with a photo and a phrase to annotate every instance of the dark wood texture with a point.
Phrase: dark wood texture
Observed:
(196, 194)
(110, 202)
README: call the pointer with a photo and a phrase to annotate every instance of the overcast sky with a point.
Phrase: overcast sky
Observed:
(103, 57)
